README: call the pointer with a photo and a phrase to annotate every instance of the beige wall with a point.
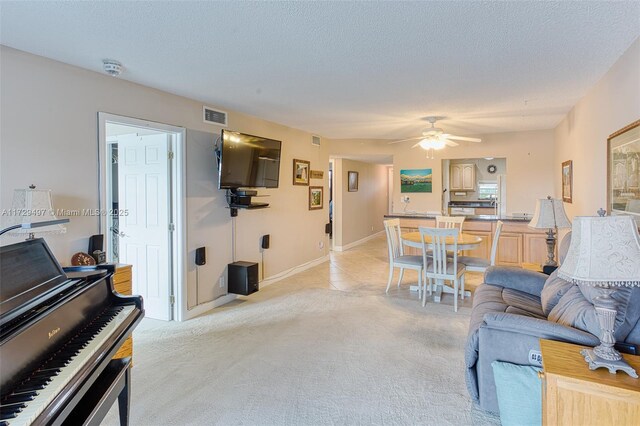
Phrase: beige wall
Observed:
(529, 157)
(359, 214)
(582, 136)
(49, 134)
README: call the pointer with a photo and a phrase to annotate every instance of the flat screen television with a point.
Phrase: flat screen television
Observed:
(248, 161)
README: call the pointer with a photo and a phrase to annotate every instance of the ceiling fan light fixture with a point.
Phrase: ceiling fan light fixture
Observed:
(432, 143)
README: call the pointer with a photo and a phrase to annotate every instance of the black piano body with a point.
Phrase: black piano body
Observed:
(58, 334)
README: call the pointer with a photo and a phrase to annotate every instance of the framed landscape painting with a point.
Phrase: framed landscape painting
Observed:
(416, 180)
(315, 197)
(623, 171)
(567, 181)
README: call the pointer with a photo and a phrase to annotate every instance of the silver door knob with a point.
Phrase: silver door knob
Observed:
(122, 234)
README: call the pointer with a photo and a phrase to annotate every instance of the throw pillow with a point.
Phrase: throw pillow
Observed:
(554, 288)
(519, 394)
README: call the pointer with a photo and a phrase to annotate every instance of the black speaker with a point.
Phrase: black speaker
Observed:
(265, 241)
(96, 242)
(201, 256)
(328, 228)
(242, 278)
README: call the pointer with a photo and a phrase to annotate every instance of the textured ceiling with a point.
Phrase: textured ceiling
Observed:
(346, 69)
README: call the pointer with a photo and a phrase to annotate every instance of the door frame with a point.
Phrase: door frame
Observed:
(178, 245)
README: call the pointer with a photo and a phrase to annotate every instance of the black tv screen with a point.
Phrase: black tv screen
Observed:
(248, 161)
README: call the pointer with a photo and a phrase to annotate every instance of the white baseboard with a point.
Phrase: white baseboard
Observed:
(357, 243)
(295, 270)
(207, 306)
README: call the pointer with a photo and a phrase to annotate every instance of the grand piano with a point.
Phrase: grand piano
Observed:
(59, 330)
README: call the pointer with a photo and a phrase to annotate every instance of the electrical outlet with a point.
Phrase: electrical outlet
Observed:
(372, 227)
(221, 283)
(320, 245)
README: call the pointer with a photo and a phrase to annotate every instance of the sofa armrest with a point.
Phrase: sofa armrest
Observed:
(539, 328)
(530, 282)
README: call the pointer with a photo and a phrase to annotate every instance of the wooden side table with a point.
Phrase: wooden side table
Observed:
(123, 285)
(574, 395)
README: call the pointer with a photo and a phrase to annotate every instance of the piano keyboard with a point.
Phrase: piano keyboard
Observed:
(30, 398)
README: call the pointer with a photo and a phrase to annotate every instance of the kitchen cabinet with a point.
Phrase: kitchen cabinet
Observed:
(509, 249)
(462, 177)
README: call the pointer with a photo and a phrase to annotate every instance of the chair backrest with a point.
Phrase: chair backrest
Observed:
(450, 222)
(394, 243)
(494, 245)
(438, 237)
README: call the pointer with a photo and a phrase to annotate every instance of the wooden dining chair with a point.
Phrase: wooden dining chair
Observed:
(397, 258)
(480, 264)
(442, 267)
(450, 222)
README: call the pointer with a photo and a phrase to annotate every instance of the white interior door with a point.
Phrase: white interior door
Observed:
(143, 192)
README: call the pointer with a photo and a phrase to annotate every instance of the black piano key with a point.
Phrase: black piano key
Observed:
(26, 397)
(9, 409)
(50, 372)
(29, 387)
(7, 416)
(16, 406)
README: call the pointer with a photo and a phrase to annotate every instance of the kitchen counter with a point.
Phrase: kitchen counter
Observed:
(479, 217)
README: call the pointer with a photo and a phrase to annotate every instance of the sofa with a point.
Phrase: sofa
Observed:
(514, 308)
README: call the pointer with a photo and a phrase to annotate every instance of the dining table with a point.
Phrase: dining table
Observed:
(465, 242)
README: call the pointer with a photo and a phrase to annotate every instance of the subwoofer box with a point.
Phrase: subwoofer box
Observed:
(242, 278)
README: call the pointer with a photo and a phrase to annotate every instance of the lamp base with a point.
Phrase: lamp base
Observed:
(595, 362)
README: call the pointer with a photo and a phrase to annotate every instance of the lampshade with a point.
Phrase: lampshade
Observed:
(31, 206)
(603, 251)
(549, 214)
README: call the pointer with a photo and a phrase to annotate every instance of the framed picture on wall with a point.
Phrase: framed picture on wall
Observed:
(301, 170)
(567, 181)
(315, 197)
(623, 171)
(352, 182)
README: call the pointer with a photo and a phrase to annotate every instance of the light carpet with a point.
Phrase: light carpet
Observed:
(324, 347)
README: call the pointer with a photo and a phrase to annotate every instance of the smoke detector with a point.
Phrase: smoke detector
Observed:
(111, 67)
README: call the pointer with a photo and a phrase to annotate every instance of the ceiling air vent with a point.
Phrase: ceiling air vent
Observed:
(315, 140)
(214, 116)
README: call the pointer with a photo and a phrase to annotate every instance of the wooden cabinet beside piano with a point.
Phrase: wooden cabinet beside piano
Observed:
(122, 283)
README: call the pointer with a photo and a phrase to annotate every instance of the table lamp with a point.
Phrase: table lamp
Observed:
(550, 215)
(32, 206)
(604, 253)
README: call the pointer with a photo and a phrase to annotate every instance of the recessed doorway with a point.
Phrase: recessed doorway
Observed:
(140, 187)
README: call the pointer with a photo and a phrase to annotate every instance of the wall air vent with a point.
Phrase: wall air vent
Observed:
(213, 116)
(315, 140)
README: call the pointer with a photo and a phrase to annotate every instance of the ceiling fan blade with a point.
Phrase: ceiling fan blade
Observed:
(451, 143)
(462, 138)
(418, 144)
(404, 140)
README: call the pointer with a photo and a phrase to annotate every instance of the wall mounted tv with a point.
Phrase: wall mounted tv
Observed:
(248, 161)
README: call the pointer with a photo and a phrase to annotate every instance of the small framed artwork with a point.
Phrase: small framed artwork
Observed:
(567, 181)
(301, 172)
(352, 181)
(315, 197)
(623, 171)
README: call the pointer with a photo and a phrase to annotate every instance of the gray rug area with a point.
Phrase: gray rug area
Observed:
(305, 352)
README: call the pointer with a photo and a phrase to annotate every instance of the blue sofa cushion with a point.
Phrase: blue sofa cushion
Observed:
(519, 394)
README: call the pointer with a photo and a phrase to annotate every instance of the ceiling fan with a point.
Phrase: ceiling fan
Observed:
(435, 138)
